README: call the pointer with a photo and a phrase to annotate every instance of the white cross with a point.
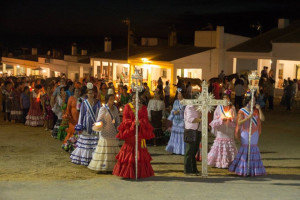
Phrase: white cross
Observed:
(205, 103)
(137, 88)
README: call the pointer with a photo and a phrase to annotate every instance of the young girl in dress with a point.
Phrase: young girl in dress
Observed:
(239, 165)
(125, 166)
(48, 113)
(104, 157)
(176, 144)
(35, 115)
(70, 144)
(88, 139)
(223, 151)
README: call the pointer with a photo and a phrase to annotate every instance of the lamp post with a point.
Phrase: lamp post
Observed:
(127, 22)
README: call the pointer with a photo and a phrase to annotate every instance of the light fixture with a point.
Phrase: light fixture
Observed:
(271, 62)
(18, 66)
(145, 60)
(44, 71)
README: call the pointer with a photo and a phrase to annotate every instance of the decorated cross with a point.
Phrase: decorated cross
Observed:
(136, 87)
(205, 103)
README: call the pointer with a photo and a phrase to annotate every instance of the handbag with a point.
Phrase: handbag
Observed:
(190, 135)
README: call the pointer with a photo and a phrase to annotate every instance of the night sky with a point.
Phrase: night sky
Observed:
(34, 22)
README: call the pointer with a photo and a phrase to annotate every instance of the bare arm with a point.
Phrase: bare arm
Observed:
(241, 120)
(261, 114)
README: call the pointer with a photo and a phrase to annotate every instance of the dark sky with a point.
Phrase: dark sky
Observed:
(49, 18)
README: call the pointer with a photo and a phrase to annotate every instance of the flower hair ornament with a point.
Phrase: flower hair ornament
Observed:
(89, 86)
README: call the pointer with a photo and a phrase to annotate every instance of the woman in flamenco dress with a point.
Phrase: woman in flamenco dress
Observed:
(239, 165)
(125, 166)
(223, 151)
(35, 116)
(72, 114)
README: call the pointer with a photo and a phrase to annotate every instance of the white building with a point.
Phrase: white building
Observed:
(277, 49)
(205, 59)
(74, 66)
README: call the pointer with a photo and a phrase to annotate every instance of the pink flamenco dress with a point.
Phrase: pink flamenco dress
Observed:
(35, 116)
(125, 166)
(223, 151)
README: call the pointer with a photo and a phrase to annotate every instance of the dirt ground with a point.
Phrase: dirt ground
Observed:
(33, 166)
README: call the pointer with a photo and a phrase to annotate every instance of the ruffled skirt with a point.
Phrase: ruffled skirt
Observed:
(35, 115)
(239, 165)
(86, 145)
(222, 153)
(104, 157)
(125, 166)
(176, 143)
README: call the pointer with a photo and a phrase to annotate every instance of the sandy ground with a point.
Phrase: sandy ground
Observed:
(33, 166)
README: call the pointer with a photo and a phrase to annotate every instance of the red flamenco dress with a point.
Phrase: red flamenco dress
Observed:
(125, 166)
(35, 116)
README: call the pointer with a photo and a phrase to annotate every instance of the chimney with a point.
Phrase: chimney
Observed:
(83, 52)
(220, 37)
(54, 55)
(34, 51)
(107, 44)
(283, 23)
(172, 39)
(74, 49)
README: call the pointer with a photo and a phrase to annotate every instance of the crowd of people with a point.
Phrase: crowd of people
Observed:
(91, 116)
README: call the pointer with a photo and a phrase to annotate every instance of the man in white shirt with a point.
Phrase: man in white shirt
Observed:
(192, 121)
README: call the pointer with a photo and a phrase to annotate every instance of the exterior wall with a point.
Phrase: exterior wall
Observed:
(205, 61)
(205, 39)
(231, 40)
(286, 51)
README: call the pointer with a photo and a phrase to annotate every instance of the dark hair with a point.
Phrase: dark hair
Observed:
(16, 85)
(248, 98)
(70, 83)
(83, 90)
(102, 85)
(167, 82)
(25, 88)
(38, 86)
(63, 88)
(6, 83)
(125, 88)
(108, 96)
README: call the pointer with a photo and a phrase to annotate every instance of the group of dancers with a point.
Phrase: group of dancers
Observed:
(100, 129)
(226, 125)
(90, 128)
